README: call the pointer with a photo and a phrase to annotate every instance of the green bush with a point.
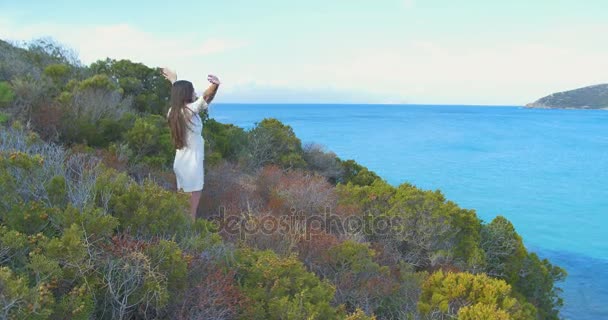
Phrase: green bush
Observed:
(149, 210)
(150, 90)
(169, 260)
(356, 174)
(59, 73)
(431, 230)
(223, 141)
(272, 142)
(6, 94)
(150, 140)
(453, 294)
(20, 301)
(532, 278)
(281, 288)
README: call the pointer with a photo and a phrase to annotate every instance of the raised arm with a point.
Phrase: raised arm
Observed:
(209, 94)
(202, 103)
(169, 75)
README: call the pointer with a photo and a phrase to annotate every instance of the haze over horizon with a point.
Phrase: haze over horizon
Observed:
(357, 51)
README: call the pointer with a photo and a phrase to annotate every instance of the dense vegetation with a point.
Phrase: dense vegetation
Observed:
(591, 97)
(91, 227)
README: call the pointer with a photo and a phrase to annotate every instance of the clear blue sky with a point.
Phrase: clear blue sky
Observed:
(389, 51)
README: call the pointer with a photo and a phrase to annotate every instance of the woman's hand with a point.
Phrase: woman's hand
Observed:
(169, 75)
(209, 94)
(213, 79)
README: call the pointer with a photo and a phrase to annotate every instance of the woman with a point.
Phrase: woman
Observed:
(186, 133)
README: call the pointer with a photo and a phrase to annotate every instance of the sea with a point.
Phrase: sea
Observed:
(545, 170)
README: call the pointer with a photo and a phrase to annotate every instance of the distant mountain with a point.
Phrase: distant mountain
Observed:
(591, 97)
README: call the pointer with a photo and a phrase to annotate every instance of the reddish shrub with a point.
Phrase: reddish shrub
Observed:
(302, 191)
(123, 243)
(46, 121)
(215, 296)
(226, 189)
(313, 251)
(112, 160)
(267, 180)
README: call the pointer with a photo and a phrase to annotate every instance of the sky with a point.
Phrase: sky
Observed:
(483, 52)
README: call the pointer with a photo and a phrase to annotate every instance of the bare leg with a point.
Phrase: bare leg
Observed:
(195, 197)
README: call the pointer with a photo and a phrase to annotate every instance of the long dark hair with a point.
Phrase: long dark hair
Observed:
(181, 94)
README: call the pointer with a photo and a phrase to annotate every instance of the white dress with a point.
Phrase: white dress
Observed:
(188, 163)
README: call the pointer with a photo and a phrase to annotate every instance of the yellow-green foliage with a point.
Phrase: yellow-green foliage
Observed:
(482, 311)
(274, 142)
(431, 227)
(19, 301)
(150, 140)
(357, 174)
(353, 257)
(31, 217)
(149, 209)
(69, 248)
(59, 72)
(359, 315)
(6, 94)
(508, 259)
(357, 277)
(281, 288)
(428, 229)
(13, 247)
(38, 264)
(13, 164)
(146, 85)
(447, 293)
(99, 81)
(77, 304)
(223, 141)
(169, 260)
(95, 222)
(60, 261)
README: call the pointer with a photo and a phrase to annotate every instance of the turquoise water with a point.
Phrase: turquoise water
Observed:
(545, 170)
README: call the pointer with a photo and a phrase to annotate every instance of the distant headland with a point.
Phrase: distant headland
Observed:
(591, 97)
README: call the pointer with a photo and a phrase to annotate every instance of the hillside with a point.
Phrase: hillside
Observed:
(91, 226)
(591, 97)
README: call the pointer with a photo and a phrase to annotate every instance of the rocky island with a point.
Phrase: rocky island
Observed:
(591, 97)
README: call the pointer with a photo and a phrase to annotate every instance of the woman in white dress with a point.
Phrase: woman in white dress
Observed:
(186, 133)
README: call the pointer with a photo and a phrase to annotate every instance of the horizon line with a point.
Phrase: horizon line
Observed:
(371, 103)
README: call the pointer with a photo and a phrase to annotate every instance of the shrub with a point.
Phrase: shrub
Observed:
(356, 173)
(31, 96)
(132, 286)
(223, 142)
(447, 295)
(20, 301)
(360, 282)
(432, 231)
(507, 258)
(537, 284)
(6, 94)
(228, 192)
(212, 294)
(59, 73)
(150, 140)
(95, 113)
(145, 210)
(304, 192)
(280, 288)
(147, 86)
(322, 162)
(272, 142)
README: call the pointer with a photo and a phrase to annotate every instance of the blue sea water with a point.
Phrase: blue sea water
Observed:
(545, 170)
